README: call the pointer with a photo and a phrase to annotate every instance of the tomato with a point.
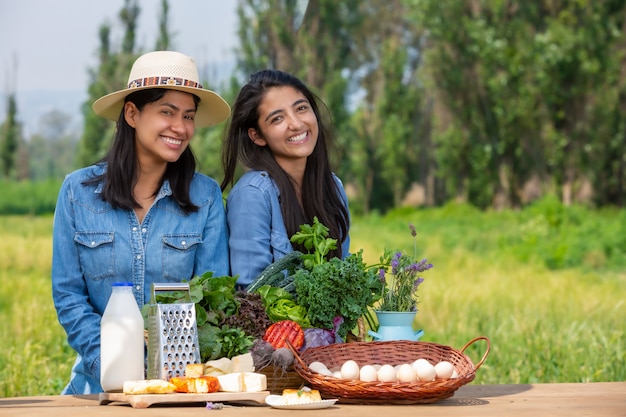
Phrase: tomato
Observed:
(278, 333)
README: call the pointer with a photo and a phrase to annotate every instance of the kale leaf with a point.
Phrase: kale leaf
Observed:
(338, 287)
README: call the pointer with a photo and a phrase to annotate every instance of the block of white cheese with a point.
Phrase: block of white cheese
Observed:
(254, 382)
(242, 382)
(242, 363)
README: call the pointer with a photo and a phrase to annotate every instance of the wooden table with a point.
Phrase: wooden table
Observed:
(568, 400)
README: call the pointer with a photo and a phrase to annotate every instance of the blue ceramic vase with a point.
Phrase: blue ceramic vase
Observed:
(396, 325)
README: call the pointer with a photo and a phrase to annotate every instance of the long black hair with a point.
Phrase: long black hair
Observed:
(122, 170)
(320, 193)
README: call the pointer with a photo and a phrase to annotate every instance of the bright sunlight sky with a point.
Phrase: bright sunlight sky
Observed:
(54, 43)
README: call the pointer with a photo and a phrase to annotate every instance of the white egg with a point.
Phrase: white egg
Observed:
(317, 367)
(387, 373)
(325, 371)
(420, 361)
(368, 374)
(406, 373)
(337, 374)
(350, 370)
(455, 374)
(444, 370)
(425, 371)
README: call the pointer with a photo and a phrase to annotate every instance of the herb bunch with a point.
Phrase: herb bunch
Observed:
(330, 288)
(399, 287)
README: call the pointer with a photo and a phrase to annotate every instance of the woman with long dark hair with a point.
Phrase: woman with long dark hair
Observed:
(142, 214)
(280, 136)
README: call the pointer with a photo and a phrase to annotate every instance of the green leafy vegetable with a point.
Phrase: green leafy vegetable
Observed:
(280, 305)
(251, 316)
(216, 295)
(316, 241)
(210, 346)
(337, 288)
(219, 342)
(234, 341)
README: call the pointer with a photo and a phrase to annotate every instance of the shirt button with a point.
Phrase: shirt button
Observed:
(134, 229)
(93, 243)
(138, 287)
(184, 243)
(138, 256)
(143, 230)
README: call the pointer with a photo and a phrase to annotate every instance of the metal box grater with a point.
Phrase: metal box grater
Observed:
(172, 334)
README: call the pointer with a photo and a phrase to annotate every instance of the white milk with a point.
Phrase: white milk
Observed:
(121, 339)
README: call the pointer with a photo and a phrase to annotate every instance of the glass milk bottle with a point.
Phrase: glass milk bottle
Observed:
(121, 339)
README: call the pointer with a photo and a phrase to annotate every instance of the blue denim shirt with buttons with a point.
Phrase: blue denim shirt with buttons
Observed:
(257, 233)
(95, 245)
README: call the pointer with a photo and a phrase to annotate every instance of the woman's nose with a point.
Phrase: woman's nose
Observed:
(178, 124)
(295, 123)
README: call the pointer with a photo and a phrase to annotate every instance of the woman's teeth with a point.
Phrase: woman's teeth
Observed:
(172, 141)
(297, 138)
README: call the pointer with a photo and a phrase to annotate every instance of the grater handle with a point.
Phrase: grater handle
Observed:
(169, 286)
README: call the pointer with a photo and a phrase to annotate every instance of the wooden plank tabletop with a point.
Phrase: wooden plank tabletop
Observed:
(600, 399)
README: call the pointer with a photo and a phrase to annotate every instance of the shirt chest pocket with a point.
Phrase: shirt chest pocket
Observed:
(179, 256)
(96, 254)
(280, 244)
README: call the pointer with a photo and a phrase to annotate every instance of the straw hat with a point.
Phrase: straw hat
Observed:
(170, 70)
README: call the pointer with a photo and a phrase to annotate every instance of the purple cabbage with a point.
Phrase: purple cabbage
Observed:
(314, 337)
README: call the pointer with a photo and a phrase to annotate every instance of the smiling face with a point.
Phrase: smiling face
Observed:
(163, 128)
(288, 126)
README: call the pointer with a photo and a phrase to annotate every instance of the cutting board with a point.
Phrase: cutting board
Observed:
(146, 400)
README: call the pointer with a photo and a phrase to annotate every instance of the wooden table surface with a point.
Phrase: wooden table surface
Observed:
(569, 400)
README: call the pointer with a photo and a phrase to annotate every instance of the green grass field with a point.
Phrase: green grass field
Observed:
(546, 286)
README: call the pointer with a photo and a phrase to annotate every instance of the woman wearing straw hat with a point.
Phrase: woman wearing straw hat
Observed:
(142, 214)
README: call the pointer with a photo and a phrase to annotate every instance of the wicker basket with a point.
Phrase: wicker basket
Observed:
(393, 353)
(278, 380)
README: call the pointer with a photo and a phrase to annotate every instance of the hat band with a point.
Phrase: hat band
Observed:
(165, 80)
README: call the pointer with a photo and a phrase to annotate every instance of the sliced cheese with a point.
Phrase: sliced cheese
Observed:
(217, 367)
(243, 363)
(148, 386)
(242, 382)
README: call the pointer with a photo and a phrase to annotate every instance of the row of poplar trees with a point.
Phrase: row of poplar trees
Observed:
(491, 102)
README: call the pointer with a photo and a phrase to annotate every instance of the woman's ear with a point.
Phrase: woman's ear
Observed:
(254, 136)
(130, 113)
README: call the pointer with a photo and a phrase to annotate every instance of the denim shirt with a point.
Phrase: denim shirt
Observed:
(257, 233)
(95, 245)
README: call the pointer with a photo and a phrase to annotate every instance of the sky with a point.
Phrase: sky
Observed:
(47, 47)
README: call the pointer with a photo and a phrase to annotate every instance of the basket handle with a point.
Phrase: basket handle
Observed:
(468, 344)
(296, 355)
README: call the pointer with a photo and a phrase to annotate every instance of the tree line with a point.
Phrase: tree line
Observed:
(492, 102)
